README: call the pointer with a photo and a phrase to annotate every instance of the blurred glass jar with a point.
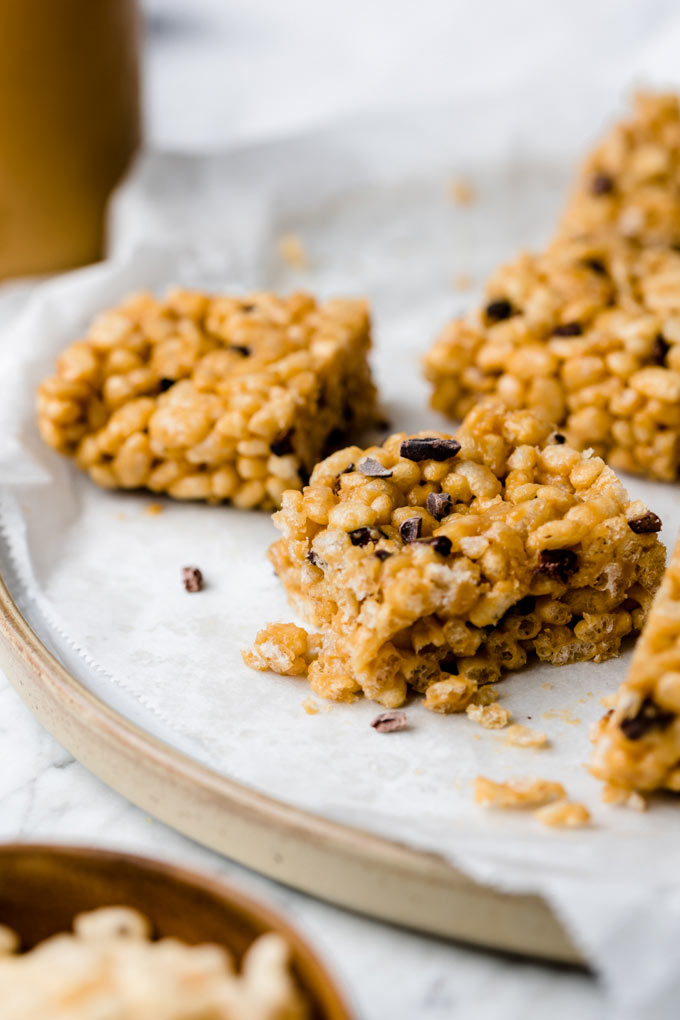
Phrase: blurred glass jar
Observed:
(69, 125)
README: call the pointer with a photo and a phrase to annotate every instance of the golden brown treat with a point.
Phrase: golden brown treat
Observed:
(587, 335)
(211, 397)
(631, 180)
(638, 743)
(436, 564)
(110, 968)
(517, 793)
(588, 332)
(563, 814)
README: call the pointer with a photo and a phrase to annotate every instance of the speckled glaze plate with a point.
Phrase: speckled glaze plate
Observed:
(335, 862)
(311, 850)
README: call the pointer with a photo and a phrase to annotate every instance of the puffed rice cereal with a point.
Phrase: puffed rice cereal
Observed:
(588, 332)
(109, 968)
(436, 564)
(631, 180)
(586, 335)
(211, 397)
(637, 746)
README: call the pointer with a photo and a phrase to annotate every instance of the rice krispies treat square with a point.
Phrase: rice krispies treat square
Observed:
(631, 180)
(587, 335)
(436, 564)
(211, 397)
(638, 744)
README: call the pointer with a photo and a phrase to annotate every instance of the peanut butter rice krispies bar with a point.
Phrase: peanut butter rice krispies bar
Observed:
(631, 180)
(436, 563)
(638, 743)
(586, 334)
(211, 397)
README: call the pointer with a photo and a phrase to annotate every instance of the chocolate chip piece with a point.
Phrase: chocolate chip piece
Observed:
(192, 578)
(558, 563)
(559, 438)
(165, 384)
(601, 184)
(596, 265)
(439, 504)
(383, 554)
(240, 349)
(362, 536)
(372, 468)
(429, 448)
(390, 722)
(645, 524)
(498, 310)
(440, 543)
(282, 444)
(449, 664)
(411, 529)
(525, 606)
(660, 349)
(315, 560)
(649, 717)
(568, 329)
(334, 439)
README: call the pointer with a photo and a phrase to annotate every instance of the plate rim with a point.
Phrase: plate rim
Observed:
(344, 865)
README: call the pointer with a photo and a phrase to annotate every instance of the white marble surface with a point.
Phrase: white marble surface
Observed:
(221, 72)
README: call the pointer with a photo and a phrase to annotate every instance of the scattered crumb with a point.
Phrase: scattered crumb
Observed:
(622, 797)
(485, 695)
(608, 700)
(461, 191)
(153, 509)
(283, 648)
(120, 516)
(523, 736)
(491, 717)
(565, 715)
(292, 251)
(517, 793)
(310, 706)
(546, 686)
(450, 695)
(636, 802)
(390, 722)
(461, 281)
(192, 578)
(563, 814)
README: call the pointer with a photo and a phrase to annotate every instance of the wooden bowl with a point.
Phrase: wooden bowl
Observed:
(43, 887)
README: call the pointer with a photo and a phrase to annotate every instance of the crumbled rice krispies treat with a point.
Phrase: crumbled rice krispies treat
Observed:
(523, 736)
(436, 564)
(109, 967)
(517, 793)
(638, 743)
(563, 814)
(631, 180)
(211, 397)
(587, 335)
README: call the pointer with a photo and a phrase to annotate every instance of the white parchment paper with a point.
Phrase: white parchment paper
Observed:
(99, 577)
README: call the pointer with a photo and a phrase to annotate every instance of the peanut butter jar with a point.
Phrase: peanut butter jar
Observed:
(69, 125)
